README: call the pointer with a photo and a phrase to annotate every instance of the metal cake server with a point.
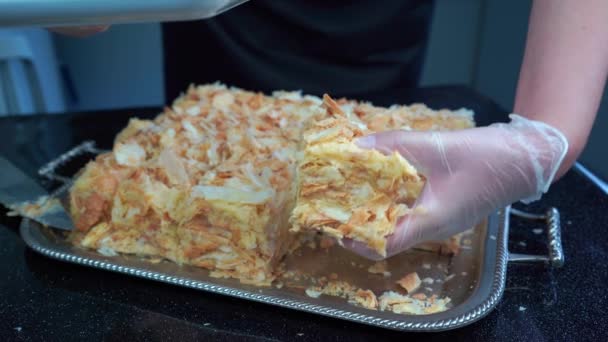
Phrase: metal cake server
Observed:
(23, 195)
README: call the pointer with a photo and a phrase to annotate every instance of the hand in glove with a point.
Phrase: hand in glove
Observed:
(470, 173)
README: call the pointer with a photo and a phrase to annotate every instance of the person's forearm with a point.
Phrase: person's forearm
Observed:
(564, 68)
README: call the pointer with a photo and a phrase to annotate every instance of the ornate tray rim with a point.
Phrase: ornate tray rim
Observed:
(488, 292)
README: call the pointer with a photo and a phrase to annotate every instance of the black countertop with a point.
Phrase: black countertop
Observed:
(44, 299)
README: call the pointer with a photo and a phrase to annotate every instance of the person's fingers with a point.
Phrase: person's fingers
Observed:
(409, 229)
(390, 141)
(79, 31)
(424, 150)
(418, 226)
(433, 218)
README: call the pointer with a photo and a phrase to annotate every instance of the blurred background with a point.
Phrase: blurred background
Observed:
(478, 43)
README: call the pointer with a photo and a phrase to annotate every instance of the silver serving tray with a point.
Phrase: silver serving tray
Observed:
(480, 268)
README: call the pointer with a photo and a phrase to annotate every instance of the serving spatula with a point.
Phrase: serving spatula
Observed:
(23, 195)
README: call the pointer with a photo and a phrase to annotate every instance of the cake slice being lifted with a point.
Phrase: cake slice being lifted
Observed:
(348, 192)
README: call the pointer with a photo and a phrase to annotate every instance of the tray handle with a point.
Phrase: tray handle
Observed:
(554, 236)
(48, 170)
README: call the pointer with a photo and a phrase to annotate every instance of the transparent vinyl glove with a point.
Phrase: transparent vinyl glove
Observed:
(470, 173)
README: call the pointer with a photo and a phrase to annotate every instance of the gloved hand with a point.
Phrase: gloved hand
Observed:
(470, 173)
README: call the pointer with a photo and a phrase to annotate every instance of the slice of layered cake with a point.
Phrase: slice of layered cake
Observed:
(348, 192)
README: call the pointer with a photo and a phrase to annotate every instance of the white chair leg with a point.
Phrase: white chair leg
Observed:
(17, 72)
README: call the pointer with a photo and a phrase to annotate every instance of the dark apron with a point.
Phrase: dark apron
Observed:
(345, 48)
